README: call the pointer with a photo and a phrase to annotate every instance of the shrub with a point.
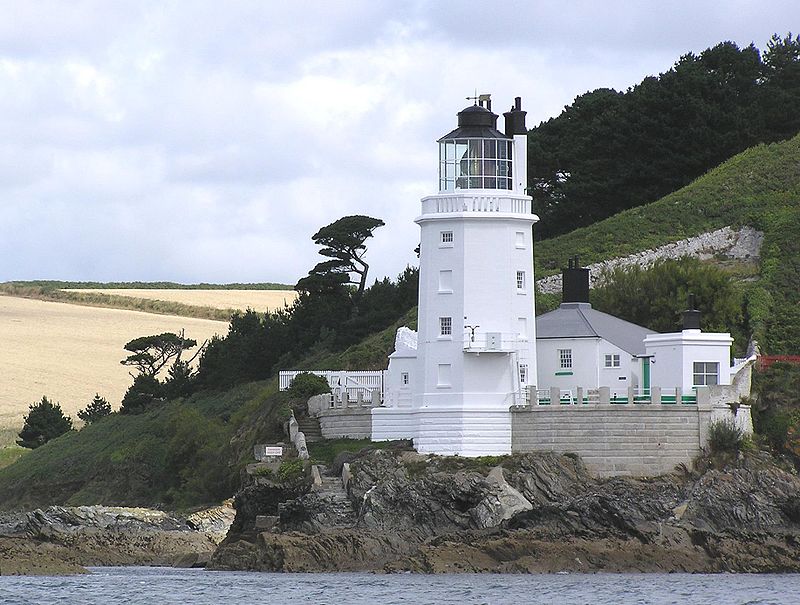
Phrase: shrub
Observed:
(141, 394)
(724, 436)
(292, 471)
(98, 408)
(45, 421)
(306, 385)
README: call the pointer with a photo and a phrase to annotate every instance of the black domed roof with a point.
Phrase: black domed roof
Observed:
(475, 121)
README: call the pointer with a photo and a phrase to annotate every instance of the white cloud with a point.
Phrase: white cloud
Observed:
(207, 141)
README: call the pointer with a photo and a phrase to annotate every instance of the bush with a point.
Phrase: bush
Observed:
(98, 408)
(724, 436)
(306, 385)
(45, 421)
(292, 471)
(141, 394)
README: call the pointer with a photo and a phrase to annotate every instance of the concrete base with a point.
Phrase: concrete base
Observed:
(446, 431)
(472, 432)
(389, 424)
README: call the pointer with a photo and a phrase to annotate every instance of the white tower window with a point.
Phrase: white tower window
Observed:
(565, 359)
(523, 373)
(404, 379)
(445, 326)
(446, 239)
(445, 281)
(521, 281)
(522, 327)
(519, 241)
(443, 376)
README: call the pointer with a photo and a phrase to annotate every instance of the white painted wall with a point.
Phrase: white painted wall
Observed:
(675, 354)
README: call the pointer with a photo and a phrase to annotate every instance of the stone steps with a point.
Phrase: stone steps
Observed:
(310, 428)
(339, 510)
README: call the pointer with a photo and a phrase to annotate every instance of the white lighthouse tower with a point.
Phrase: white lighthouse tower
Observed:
(475, 346)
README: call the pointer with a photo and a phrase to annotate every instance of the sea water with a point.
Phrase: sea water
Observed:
(139, 585)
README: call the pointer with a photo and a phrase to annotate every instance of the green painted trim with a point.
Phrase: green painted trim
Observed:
(563, 373)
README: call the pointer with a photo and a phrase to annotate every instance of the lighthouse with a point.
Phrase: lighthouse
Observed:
(450, 386)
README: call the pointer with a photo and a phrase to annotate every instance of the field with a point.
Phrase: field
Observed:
(70, 352)
(258, 300)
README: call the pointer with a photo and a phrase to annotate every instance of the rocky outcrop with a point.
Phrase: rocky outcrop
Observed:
(744, 244)
(64, 539)
(535, 512)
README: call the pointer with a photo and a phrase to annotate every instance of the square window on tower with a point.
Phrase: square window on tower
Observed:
(445, 326)
(446, 239)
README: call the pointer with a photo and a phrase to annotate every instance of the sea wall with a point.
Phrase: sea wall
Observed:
(638, 440)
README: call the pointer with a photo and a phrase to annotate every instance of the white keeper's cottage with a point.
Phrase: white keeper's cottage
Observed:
(475, 349)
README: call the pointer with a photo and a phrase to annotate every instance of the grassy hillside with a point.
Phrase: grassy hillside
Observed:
(184, 453)
(759, 187)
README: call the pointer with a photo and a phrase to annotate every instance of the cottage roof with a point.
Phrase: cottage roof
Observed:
(579, 320)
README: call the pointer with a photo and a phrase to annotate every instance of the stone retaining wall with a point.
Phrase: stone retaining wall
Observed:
(352, 423)
(612, 439)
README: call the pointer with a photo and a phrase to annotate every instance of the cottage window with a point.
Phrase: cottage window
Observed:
(565, 359)
(705, 373)
(445, 326)
(612, 361)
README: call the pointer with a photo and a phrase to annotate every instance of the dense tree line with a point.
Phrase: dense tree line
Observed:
(610, 150)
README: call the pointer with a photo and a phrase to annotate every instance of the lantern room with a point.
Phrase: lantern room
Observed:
(476, 155)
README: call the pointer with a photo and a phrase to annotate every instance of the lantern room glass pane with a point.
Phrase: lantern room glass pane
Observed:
(475, 164)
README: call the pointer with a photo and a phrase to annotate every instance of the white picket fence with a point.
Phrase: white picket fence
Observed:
(351, 383)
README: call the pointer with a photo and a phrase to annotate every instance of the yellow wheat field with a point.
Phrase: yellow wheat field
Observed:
(258, 300)
(70, 352)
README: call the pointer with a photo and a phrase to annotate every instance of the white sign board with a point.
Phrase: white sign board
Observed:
(273, 451)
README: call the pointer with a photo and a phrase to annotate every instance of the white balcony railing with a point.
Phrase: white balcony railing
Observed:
(507, 203)
(491, 342)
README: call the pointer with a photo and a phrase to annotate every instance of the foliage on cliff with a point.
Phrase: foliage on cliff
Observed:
(609, 151)
(760, 188)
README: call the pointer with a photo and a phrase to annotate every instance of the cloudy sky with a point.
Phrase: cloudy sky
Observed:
(207, 141)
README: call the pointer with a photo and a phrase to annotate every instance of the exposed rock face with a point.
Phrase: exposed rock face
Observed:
(744, 244)
(64, 539)
(538, 512)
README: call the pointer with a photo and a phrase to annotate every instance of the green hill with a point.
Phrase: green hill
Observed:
(189, 452)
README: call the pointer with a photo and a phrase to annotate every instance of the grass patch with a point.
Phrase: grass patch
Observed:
(326, 450)
(10, 454)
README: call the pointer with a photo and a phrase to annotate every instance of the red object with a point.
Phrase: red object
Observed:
(765, 361)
